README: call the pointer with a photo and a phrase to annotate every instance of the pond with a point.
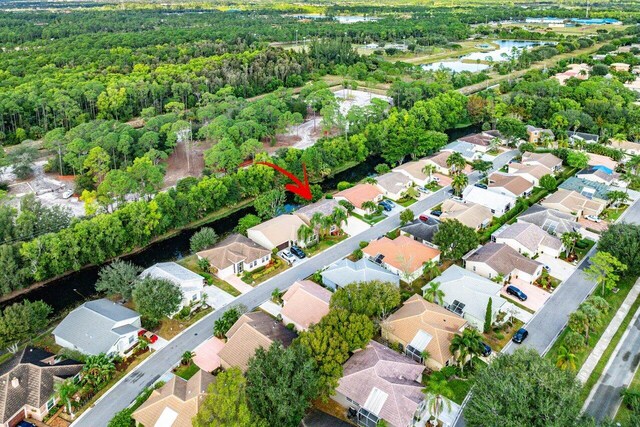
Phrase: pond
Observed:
(457, 66)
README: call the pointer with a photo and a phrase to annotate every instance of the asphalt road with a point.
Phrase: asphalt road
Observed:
(124, 392)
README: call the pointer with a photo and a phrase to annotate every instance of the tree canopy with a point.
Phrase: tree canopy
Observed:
(373, 298)
(455, 239)
(156, 298)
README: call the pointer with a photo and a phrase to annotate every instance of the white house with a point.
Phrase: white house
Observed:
(498, 203)
(235, 255)
(402, 255)
(393, 184)
(280, 232)
(494, 259)
(529, 239)
(415, 171)
(359, 194)
(191, 284)
(99, 326)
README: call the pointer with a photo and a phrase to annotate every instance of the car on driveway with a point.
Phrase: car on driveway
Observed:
(546, 267)
(67, 194)
(424, 190)
(149, 336)
(480, 186)
(297, 251)
(486, 350)
(520, 336)
(288, 257)
(436, 212)
(512, 290)
(593, 218)
(386, 206)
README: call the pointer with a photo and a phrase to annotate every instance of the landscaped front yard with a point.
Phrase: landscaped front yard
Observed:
(325, 243)
(612, 214)
(191, 263)
(259, 275)
(499, 336)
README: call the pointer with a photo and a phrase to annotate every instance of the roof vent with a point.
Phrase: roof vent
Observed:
(15, 382)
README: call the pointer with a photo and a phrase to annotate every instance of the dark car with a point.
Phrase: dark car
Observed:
(486, 350)
(481, 186)
(436, 213)
(25, 424)
(385, 206)
(520, 336)
(512, 290)
(297, 251)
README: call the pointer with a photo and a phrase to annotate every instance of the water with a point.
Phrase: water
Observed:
(457, 66)
(343, 19)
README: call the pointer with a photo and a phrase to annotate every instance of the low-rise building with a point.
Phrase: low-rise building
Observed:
(547, 160)
(304, 304)
(466, 150)
(582, 137)
(99, 326)
(589, 189)
(600, 160)
(393, 184)
(402, 255)
(419, 326)
(359, 194)
(631, 148)
(574, 203)
(280, 232)
(415, 171)
(344, 272)
(497, 259)
(536, 134)
(191, 284)
(482, 141)
(550, 220)
(497, 203)
(235, 255)
(422, 229)
(599, 174)
(529, 239)
(324, 207)
(531, 173)
(470, 214)
(510, 185)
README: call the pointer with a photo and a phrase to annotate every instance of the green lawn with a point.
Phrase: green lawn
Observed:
(325, 243)
(612, 214)
(460, 389)
(370, 219)
(259, 275)
(191, 263)
(498, 337)
(406, 202)
(187, 371)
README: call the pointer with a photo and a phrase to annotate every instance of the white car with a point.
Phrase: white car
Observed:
(435, 179)
(67, 194)
(593, 218)
(288, 257)
(424, 190)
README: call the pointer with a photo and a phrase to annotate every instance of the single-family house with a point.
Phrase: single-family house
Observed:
(547, 160)
(304, 304)
(99, 326)
(343, 272)
(482, 141)
(631, 148)
(510, 185)
(28, 384)
(393, 184)
(324, 207)
(620, 66)
(468, 294)
(422, 229)
(531, 173)
(572, 202)
(176, 403)
(577, 71)
(380, 384)
(536, 134)
(582, 137)
(470, 214)
(191, 284)
(439, 162)
(421, 325)
(600, 160)
(466, 150)
(550, 220)
(529, 239)
(599, 174)
(402, 255)
(359, 194)
(235, 255)
(590, 189)
(252, 331)
(497, 259)
(280, 232)
(415, 171)
(497, 203)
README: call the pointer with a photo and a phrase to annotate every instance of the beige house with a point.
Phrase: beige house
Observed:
(529, 239)
(420, 325)
(252, 331)
(402, 255)
(393, 184)
(414, 171)
(494, 259)
(235, 255)
(27, 384)
(632, 148)
(531, 173)
(510, 185)
(547, 160)
(304, 304)
(537, 134)
(280, 232)
(359, 194)
(470, 214)
(439, 162)
(574, 203)
(175, 403)
(620, 66)
(600, 160)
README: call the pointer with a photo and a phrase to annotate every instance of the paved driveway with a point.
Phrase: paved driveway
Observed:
(355, 226)
(536, 297)
(559, 269)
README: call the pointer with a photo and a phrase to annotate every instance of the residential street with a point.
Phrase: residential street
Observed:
(123, 393)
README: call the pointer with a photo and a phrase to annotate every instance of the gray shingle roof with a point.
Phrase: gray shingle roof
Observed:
(422, 230)
(530, 236)
(171, 271)
(550, 220)
(503, 259)
(464, 148)
(324, 206)
(346, 271)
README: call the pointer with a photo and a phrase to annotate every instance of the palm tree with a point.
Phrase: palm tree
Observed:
(143, 344)
(338, 217)
(459, 183)
(434, 294)
(569, 241)
(428, 170)
(456, 162)
(430, 269)
(305, 233)
(494, 143)
(466, 346)
(369, 206)
(634, 164)
(276, 296)
(187, 357)
(98, 370)
(437, 395)
(566, 359)
(65, 390)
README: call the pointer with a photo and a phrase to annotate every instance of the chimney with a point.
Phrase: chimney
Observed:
(15, 382)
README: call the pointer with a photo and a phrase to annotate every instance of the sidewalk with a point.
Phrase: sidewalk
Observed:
(237, 283)
(591, 362)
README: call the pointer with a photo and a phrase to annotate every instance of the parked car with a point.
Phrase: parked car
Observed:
(457, 199)
(520, 336)
(546, 267)
(24, 423)
(423, 218)
(593, 218)
(297, 251)
(512, 290)
(288, 257)
(385, 205)
(486, 352)
(390, 203)
(480, 185)
(67, 194)
(435, 179)
(149, 336)
(436, 212)
(424, 190)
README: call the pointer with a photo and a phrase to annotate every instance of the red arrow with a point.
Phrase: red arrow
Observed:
(302, 190)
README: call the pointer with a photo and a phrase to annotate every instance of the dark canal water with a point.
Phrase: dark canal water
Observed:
(69, 291)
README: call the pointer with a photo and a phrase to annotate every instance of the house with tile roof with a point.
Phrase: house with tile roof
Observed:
(494, 259)
(419, 325)
(304, 304)
(422, 229)
(324, 207)
(589, 189)
(481, 141)
(345, 271)
(393, 184)
(175, 403)
(600, 174)
(497, 203)
(439, 162)
(28, 382)
(468, 294)
(531, 173)
(574, 203)
(536, 134)
(414, 171)
(358, 194)
(252, 331)
(550, 220)
(631, 148)
(235, 255)
(547, 160)
(402, 256)
(99, 326)
(380, 384)
(280, 232)
(466, 150)
(600, 160)
(191, 284)
(470, 214)
(529, 239)
(510, 185)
